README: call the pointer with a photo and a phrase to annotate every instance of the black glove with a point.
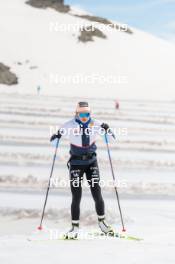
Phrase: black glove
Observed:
(105, 126)
(108, 130)
(53, 137)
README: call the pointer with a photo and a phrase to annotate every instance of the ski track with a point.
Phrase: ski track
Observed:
(142, 158)
(24, 132)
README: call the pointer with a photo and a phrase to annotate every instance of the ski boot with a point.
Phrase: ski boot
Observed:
(73, 232)
(105, 228)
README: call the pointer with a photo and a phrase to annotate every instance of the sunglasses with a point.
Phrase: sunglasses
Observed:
(84, 115)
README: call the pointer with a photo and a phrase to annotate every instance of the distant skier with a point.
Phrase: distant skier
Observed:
(38, 89)
(117, 105)
(83, 159)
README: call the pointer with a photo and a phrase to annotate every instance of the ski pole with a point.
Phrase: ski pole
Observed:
(48, 187)
(115, 187)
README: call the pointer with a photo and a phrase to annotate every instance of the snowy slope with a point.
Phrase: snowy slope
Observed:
(144, 61)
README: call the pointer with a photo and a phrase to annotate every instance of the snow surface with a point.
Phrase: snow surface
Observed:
(143, 160)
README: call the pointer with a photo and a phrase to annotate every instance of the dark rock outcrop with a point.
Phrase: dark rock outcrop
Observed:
(6, 76)
(88, 33)
(58, 5)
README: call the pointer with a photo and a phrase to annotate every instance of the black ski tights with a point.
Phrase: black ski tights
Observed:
(93, 178)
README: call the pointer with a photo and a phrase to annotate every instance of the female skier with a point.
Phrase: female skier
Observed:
(82, 131)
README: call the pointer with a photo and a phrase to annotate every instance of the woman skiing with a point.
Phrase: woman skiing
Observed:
(82, 131)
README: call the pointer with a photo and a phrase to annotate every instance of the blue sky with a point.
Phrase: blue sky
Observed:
(154, 16)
